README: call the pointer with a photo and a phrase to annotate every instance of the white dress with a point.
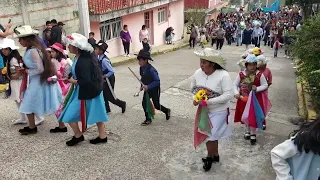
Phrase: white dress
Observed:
(15, 84)
(221, 84)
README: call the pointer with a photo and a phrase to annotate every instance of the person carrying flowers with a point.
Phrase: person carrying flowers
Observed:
(248, 82)
(212, 89)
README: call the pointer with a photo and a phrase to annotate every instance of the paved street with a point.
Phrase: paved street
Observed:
(161, 151)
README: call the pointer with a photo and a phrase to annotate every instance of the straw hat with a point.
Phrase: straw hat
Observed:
(211, 55)
(24, 31)
(8, 43)
(58, 47)
(144, 55)
(79, 41)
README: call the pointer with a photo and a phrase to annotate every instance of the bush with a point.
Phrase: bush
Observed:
(307, 50)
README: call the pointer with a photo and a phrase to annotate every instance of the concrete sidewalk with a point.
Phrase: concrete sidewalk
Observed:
(155, 50)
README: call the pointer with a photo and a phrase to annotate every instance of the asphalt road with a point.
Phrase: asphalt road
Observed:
(161, 151)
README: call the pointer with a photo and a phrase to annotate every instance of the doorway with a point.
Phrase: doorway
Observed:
(148, 21)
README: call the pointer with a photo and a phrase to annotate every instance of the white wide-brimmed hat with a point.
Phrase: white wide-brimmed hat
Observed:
(8, 43)
(79, 41)
(24, 31)
(211, 55)
(262, 60)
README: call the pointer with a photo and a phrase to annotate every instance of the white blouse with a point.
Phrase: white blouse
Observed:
(263, 83)
(220, 82)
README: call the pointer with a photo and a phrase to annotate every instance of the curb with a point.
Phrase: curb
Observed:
(302, 110)
(310, 111)
(126, 61)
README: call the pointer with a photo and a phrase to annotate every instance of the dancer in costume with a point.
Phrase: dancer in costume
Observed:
(59, 60)
(151, 86)
(109, 78)
(217, 83)
(298, 158)
(41, 97)
(84, 101)
(249, 80)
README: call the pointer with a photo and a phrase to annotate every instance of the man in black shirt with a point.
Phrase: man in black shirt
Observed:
(56, 32)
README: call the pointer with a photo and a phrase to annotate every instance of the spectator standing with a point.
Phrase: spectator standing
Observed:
(91, 39)
(47, 33)
(56, 33)
(126, 40)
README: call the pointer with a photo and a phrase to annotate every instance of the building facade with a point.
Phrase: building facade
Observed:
(108, 17)
(211, 7)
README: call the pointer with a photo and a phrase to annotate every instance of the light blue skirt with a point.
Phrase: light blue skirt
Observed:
(42, 99)
(95, 109)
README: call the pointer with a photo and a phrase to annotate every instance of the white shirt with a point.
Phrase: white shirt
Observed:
(202, 38)
(263, 83)
(143, 34)
(220, 82)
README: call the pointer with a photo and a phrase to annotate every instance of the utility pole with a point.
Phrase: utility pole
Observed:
(242, 3)
(84, 17)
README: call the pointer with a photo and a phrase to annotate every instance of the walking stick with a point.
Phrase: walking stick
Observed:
(136, 94)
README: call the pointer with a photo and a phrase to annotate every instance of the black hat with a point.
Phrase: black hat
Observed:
(102, 45)
(144, 55)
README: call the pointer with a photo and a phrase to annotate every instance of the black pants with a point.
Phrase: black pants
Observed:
(154, 94)
(257, 41)
(126, 47)
(220, 43)
(213, 40)
(108, 95)
(192, 42)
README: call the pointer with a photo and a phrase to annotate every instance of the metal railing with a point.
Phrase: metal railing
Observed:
(105, 6)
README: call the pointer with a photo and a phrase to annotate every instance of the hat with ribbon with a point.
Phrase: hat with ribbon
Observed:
(145, 55)
(102, 45)
(58, 47)
(24, 31)
(251, 58)
(79, 41)
(8, 43)
(211, 55)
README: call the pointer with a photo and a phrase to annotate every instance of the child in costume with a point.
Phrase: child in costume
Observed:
(58, 56)
(298, 158)
(84, 102)
(109, 77)
(150, 83)
(249, 80)
(213, 83)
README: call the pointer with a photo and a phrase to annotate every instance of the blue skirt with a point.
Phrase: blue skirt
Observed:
(95, 109)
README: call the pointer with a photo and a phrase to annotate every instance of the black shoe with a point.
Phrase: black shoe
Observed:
(247, 136)
(74, 141)
(98, 140)
(27, 130)
(58, 129)
(253, 139)
(207, 163)
(216, 159)
(264, 127)
(146, 122)
(168, 114)
(124, 107)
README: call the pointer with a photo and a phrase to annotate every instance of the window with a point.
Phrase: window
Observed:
(162, 15)
(110, 29)
(147, 19)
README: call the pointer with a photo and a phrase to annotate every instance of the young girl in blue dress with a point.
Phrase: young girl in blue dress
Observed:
(85, 95)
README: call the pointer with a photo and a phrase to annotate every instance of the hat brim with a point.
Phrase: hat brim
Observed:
(215, 59)
(141, 57)
(25, 35)
(58, 49)
(85, 47)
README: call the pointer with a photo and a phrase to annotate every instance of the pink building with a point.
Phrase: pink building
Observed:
(108, 17)
(212, 7)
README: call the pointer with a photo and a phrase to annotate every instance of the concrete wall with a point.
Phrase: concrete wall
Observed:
(37, 12)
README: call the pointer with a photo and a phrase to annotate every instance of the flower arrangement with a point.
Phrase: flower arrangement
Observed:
(201, 96)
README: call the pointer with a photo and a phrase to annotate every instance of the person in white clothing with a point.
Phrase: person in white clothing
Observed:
(213, 77)
(143, 34)
(298, 158)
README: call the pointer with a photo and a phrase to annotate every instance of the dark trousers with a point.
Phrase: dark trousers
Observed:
(213, 40)
(229, 39)
(272, 43)
(257, 41)
(220, 43)
(108, 95)
(126, 47)
(192, 42)
(154, 94)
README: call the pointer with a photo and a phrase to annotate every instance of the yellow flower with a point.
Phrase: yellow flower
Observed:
(201, 95)
(4, 70)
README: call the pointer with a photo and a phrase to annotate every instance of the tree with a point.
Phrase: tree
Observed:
(306, 50)
(306, 6)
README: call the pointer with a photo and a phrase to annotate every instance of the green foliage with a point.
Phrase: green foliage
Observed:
(307, 50)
